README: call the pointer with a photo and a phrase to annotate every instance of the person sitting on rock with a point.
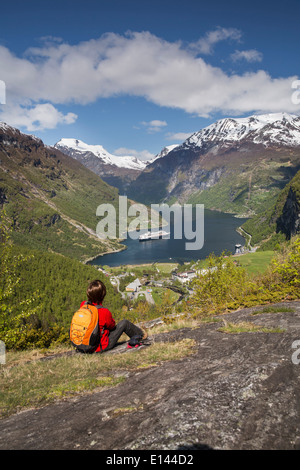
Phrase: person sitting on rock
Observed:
(96, 292)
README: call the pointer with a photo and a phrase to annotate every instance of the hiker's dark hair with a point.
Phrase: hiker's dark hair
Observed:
(96, 291)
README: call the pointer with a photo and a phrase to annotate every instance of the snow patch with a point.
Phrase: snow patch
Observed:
(129, 162)
(276, 128)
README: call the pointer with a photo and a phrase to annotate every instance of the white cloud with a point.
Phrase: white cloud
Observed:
(157, 123)
(179, 136)
(140, 154)
(137, 64)
(154, 126)
(206, 44)
(39, 117)
(251, 55)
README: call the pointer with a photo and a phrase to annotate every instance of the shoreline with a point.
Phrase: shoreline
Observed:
(103, 254)
(124, 247)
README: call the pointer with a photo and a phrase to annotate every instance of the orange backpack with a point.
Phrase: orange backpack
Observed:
(85, 330)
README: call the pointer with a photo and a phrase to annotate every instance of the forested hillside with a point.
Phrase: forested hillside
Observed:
(50, 198)
(280, 221)
(61, 284)
(39, 293)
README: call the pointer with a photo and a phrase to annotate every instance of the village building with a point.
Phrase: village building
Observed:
(185, 276)
(133, 286)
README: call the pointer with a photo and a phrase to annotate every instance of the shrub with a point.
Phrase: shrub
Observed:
(30, 337)
(226, 286)
(287, 265)
(221, 285)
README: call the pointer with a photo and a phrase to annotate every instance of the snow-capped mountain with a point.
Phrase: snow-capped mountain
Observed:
(77, 147)
(163, 152)
(6, 128)
(115, 170)
(266, 129)
(240, 161)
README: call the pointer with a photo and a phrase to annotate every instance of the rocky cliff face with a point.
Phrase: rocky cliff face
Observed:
(289, 222)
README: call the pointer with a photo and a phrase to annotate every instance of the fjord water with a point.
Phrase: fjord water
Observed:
(219, 235)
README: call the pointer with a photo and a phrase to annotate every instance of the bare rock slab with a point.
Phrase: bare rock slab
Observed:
(238, 391)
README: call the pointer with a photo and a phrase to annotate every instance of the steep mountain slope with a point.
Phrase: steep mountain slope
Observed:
(116, 171)
(50, 198)
(279, 222)
(233, 165)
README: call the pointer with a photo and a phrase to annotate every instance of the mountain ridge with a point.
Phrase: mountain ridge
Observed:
(115, 170)
(100, 152)
(51, 199)
(264, 128)
(233, 165)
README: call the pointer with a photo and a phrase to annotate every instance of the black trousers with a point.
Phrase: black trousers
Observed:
(124, 326)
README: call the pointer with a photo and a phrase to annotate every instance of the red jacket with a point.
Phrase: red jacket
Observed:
(105, 320)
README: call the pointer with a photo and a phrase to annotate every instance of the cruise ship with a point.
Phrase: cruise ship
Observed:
(153, 235)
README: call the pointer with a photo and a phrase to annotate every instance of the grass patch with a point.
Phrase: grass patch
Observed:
(26, 381)
(256, 263)
(175, 324)
(166, 268)
(247, 327)
(160, 294)
(274, 310)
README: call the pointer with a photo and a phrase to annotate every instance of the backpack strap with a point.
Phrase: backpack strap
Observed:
(101, 331)
(91, 303)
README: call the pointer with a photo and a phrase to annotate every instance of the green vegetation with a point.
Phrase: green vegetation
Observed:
(274, 310)
(45, 289)
(268, 228)
(225, 286)
(50, 202)
(247, 327)
(39, 293)
(166, 268)
(254, 263)
(163, 296)
(263, 230)
(27, 381)
(257, 262)
(51, 199)
(157, 270)
(149, 187)
(12, 318)
(62, 284)
(124, 281)
(246, 189)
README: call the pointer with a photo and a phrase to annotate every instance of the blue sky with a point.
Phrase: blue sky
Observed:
(136, 75)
